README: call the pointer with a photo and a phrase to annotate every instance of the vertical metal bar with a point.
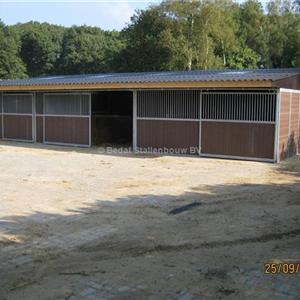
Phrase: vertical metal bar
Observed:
(207, 116)
(143, 102)
(134, 118)
(138, 107)
(232, 106)
(182, 103)
(251, 107)
(298, 148)
(263, 107)
(163, 112)
(173, 103)
(225, 96)
(247, 101)
(90, 119)
(213, 105)
(169, 104)
(274, 107)
(156, 103)
(44, 123)
(247, 107)
(259, 106)
(2, 119)
(269, 104)
(34, 117)
(210, 105)
(238, 107)
(200, 123)
(216, 105)
(241, 110)
(139, 114)
(187, 103)
(223, 100)
(254, 107)
(277, 128)
(227, 110)
(268, 108)
(233, 96)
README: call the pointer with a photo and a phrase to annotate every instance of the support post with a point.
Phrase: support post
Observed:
(34, 117)
(134, 127)
(277, 128)
(200, 123)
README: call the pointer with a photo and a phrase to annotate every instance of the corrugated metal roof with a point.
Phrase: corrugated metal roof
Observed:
(144, 77)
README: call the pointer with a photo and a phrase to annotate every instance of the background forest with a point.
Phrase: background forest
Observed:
(174, 35)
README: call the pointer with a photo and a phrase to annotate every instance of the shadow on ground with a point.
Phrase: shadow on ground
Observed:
(217, 230)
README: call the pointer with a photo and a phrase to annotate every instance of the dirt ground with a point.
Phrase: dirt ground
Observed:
(80, 224)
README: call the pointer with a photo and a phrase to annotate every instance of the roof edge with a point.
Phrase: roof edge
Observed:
(148, 85)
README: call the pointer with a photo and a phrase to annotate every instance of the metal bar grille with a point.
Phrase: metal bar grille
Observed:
(227, 106)
(67, 104)
(256, 107)
(17, 104)
(168, 104)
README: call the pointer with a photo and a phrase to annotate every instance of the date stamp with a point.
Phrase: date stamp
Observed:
(282, 267)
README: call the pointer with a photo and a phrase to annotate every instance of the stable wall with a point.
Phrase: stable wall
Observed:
(232, 124)
(289, 124)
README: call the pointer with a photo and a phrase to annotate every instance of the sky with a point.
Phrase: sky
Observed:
(108, 15)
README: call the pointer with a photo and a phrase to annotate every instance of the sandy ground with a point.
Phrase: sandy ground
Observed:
(80, 224)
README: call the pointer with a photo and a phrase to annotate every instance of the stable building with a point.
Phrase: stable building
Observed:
(244, 114)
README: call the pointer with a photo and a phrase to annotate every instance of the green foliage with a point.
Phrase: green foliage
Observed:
(172, 35)
(253, 31)
(88, 50)
(149, 41)
(40, 47)
(284, 28)
(11, 65)
(245, 58)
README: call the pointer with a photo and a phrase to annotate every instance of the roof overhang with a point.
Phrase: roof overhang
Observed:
(147, 85)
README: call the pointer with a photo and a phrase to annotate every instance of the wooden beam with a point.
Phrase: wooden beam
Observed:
(148, 85)
(292, 82)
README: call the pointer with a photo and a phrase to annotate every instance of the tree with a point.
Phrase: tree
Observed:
(40, 47)
(88, 50)
(149, 42)
(172, 35)
(245, 58)
(284, 38)
(11, 66)
(208, 31)
(253, 31)
(179, 35)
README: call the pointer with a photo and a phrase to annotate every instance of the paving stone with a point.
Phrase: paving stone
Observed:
(87, 291)
(95, 285)
(21, 260)
(124, 289)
